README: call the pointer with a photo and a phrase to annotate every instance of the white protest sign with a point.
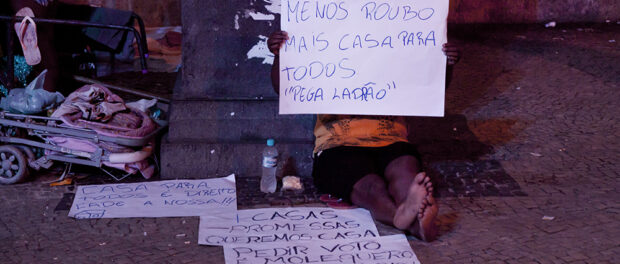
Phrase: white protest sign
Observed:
(173, 198)
(379, 250)
(363, 57)
(285, 225)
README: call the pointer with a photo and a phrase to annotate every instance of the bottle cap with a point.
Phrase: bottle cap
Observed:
(270, 142)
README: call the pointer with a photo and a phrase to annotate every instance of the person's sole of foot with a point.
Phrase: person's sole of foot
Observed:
(425, 227)
(27, 35)
(408, 211)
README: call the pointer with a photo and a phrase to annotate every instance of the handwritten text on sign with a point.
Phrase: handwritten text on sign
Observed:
(285, 225)
(155, 199)
(363, 57)
(379, 250)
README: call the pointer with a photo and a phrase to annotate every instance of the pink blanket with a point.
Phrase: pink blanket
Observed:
(96, 108)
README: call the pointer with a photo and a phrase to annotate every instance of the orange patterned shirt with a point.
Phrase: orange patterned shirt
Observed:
(358, 131)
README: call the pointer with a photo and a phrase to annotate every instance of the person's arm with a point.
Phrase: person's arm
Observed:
(275, 74)
(275, 42)
(453, 52)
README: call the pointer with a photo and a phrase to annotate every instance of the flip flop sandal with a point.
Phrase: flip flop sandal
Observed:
(27, 35)
(335, 202)
(326, 198)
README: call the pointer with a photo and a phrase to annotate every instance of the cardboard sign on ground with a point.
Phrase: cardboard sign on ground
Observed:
(173, 198)
(363, 57)
(273, 225)
(393, 249)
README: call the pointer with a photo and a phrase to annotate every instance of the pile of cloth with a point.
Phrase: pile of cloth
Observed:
(95, 107)
(164, 48)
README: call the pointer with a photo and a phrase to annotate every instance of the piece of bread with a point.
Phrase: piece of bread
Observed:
(292, 183)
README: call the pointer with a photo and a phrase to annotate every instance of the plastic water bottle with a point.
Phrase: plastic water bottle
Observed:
(270, 161)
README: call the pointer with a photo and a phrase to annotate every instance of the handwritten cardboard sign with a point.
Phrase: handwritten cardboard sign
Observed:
(272, 225)
(173, 198)
(363, 57)
(378, 250)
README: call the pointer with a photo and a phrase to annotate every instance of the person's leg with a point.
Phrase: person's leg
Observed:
(408, 188)
(400, 174)
(425, 227)
(350, 173)
(335, 171)
(371, 193)
(416, 209)
(412, 192)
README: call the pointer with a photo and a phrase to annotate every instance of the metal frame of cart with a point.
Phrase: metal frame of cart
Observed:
(18, 158)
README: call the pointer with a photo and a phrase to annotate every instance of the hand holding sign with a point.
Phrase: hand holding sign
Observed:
(276, 41)
(453, 52)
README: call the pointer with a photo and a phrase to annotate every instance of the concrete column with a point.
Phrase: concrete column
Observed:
(219, 123)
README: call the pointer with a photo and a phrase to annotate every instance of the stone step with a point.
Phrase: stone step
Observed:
(207, 160)
(236, 121)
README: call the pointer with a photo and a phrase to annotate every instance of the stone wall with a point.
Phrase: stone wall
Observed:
(533, 11)
(168, 12)
(155, 13)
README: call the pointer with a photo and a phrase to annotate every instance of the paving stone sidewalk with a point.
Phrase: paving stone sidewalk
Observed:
(525, 163)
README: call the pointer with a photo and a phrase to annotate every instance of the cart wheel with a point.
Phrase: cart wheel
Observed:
(13, 165)
(28, 152)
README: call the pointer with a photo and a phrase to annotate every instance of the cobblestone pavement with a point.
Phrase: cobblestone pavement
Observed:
(531, 130)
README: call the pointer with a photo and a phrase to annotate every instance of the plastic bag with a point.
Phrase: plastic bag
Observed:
(31, 100)
(143, 104)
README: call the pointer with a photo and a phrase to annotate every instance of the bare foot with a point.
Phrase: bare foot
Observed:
(407, 212)
(428, 185)
(425, 227)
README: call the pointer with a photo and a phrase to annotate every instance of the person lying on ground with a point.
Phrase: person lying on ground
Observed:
(368, 161)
